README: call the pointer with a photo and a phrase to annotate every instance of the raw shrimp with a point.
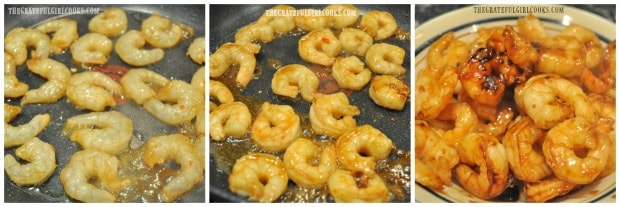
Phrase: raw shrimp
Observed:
(196, 50)
(320, 47)
(379, 24)
(486, 154)
(178, 148)
(350, 73)
(465, 122)
(231, 119)
(128, 47)
(308, 165)
(41, 164)
(18, 40)
(311, 22)
(531, 28)
(547, 189)
(92, 90)
(108, 132)
(65, 32)
(567, 137)
(332, 115)
(261, 177)
(198, 80)
(292, 79)
(523, 142)
(433, 91)
(386, 59)
(140, 84)
(280, 24)
(161, 32)
(13, 88)
(57, 75)
(275, 127)
(563, 55)
(220, 92)
(360, 148)
(18, 135)
(175, 103)
(343, 186)
(91, 48)
(229, 54)
(355, 41)
(86, 165)
(593, 47)
(434, 156)
(447, 51)
(389, 92)
(111, 22)
(346, 15)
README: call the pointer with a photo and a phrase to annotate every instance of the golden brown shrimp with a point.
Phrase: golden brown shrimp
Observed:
(343, 186)
(563, 55)
(435, 158)
(249, 36)
(523, 142)
(447, 51)
(18, 135)
(231, 119)
(389, 92)
(355, 41)
(197, 50)
(293, 79)
(139, 84)
(275, 127)
(379, 24)
(41, 164)
(386, 59)
(111, 22)
(602, 79)
(176, 102)
(320, 47)
(547, 189)
(220, 92)
(279, 24)
(57, 75)
(360, 148)
(13, 88)
(261, 177)
(161, 32)
(109, 132)
(91, 48)
(92, 90)
(311, 22)
(594, 49)
(18, 40)
(347, 15)
(129, 48)
(350, 73)
(229, 54)
(465, 122)
(531, 28)
(332, 115)
(65, 32)
(430, 101)
(198, 80)
(308, 165)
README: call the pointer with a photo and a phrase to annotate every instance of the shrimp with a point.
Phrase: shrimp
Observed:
(547, 189)
(18, 40)
(200, 121)
(176, 147)
(295, 78)
(92, 90)
(355, 41)
(220, 92)
(320, 47)
(350, 73)
(41, 164)
(275, 127)
(109, 132)
(91, 48)
(57, 75)
(386, 59)
(248, 36)
(128, 47)
(523, 142)
(447, 51)
(111, 22)
(379, 24)
(175, 103)
(343, 186)
(332, 115)
(360, 148)
(231, 119)
(483, 85)
(140, 84)
(196, 50)
(13, 88)
(433, 91)
(346, 15)
(575, 151)
(229, 54)
(594, 49)
(161, 32)
(280, 24)
(531, 28)
(18, 135)
(389, 92)
(83, 167)
(261, 177)
(465, 122)
(198, 80)
(311, 22)
(563, 55)
(434, 156)
(487, 154)
(65, 32)
(308, 165)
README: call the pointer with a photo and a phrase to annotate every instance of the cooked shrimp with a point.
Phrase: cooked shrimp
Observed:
(86, 165)
(13, 88)
(350, 73)
(465, 122)
(231, 119)
(220, 92)
(320, 47)
(292, 79)
(447, 51)
(91, 48)
(360, 148)
(57, 75)
(161, 32)
(261, 177)
(200, 121)
(531, 28)
(65, 32)
(386, 59)
(343, 186)
(434, 156)
(512, 56)
(430, 100)
(41, 164)
(523, 142)
(128, 47)
(250, 35)
(111, 22)
(593, 47)
(108, 132)
(311, 22)
(483, 85)
(18, 135)
(389, 92)
(229, 54)
(332, 115)
(355, 41)
(563, 55)
(280, 24)
(308, 165)
(140, 84)
(275, 127)
(92, 90)
(178, 148)
(346, 15)
(196, 50)
(18, 40)
(175, 103)
(379, 24)
(198, 80)
(547, 189)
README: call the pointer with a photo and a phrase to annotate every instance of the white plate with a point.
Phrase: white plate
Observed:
(464, 22)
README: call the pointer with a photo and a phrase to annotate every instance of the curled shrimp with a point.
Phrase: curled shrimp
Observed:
(111, 22)
(86, 165)
(13, 88)
(355, 41)
(233, 54)
(389, 92)
(139, 84)
(57, 75)
(220, 92)
(523, 142)
(447, 51)
(332, 115)
(196, 50)
(91, 48)
(434, 157)
(161, 32)
(299, 160)
(379, 24)
(483, 85)
(175, 103)
(252, 33)
(350, 73)
(465, 122)
(41, 164)
(108, 132)
(429, 100)
(279, 24)
(198, 80)
(343, 186)
(594, 49)
(360, 148)
(386, 59)
(92, 90)
(293, 79)
(261, 177)
(18, 135)
(128, 47)
(320, 47)
(65, 32)
(275, 127)
(349, 15)
(175, 147)
(311, 22)
(531, 28)
(18, 40)
(563, 55)
(231, 119)
(547, 189)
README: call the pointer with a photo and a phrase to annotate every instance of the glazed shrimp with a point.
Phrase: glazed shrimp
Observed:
(355, 41)
(198, 80)
(379, 24)
(196, 50)
(18, 135)
(231, 119)
(320, 47)
(344, 187)
(65, 32)
(435, 158)
(347, 15)
(447, 51)
(299, 161)
(389, 92)
(92, 90)
(293, 79)
(91, 48)
(41, 164)
(175, 103)
(311, 22)
(279, 24)
(275, 127)
(547, 189)
(249, 36)
(465, 122)
(350, 73)
(161, 32)
(332, 115)
(230, 54)
(523, 142)
(57, 75)
(18, 40)
(594, 49)
(531, 28)
(108, 132)
(140, 84)
(429, 100)
(360, 148)
(111, 22)
(128, 47)
(220, 92)
(261, 177)
(563, 55)
(175, 147)
(386, 59)
(479, 80)
(85, 165)
(13, 88)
